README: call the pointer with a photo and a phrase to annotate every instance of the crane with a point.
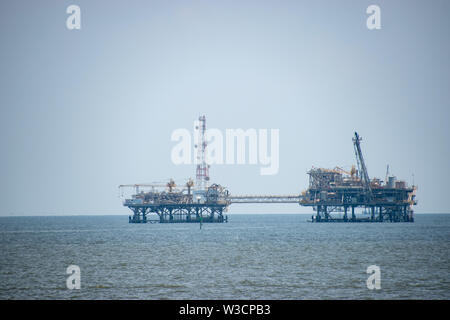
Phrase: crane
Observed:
(350, 173)
(362, 166)
(171, 185)
(189, 185)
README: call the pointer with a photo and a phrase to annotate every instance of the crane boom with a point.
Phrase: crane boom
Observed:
(362, 166)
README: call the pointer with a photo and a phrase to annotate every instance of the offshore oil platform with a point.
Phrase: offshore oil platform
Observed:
(334, 194)
(338, 191)
(199, 202)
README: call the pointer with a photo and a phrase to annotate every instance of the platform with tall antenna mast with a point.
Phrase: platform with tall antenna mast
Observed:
(336, 195)
(181, 201)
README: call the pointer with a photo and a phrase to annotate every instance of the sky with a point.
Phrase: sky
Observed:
(83, 111)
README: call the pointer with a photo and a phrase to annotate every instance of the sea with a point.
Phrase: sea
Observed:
(253, 256)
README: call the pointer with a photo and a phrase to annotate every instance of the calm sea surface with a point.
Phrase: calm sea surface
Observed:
(250, 257)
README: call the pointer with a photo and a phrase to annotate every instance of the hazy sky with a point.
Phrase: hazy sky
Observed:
(83, 111)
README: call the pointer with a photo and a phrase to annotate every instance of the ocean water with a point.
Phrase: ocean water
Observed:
(250, 257)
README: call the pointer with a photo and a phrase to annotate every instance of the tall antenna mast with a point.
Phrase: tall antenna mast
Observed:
(202, 173)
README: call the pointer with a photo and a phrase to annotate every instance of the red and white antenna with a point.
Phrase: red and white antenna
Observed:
(202, 174)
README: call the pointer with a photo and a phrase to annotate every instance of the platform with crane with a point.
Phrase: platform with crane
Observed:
(334, 194)
(334, 191)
